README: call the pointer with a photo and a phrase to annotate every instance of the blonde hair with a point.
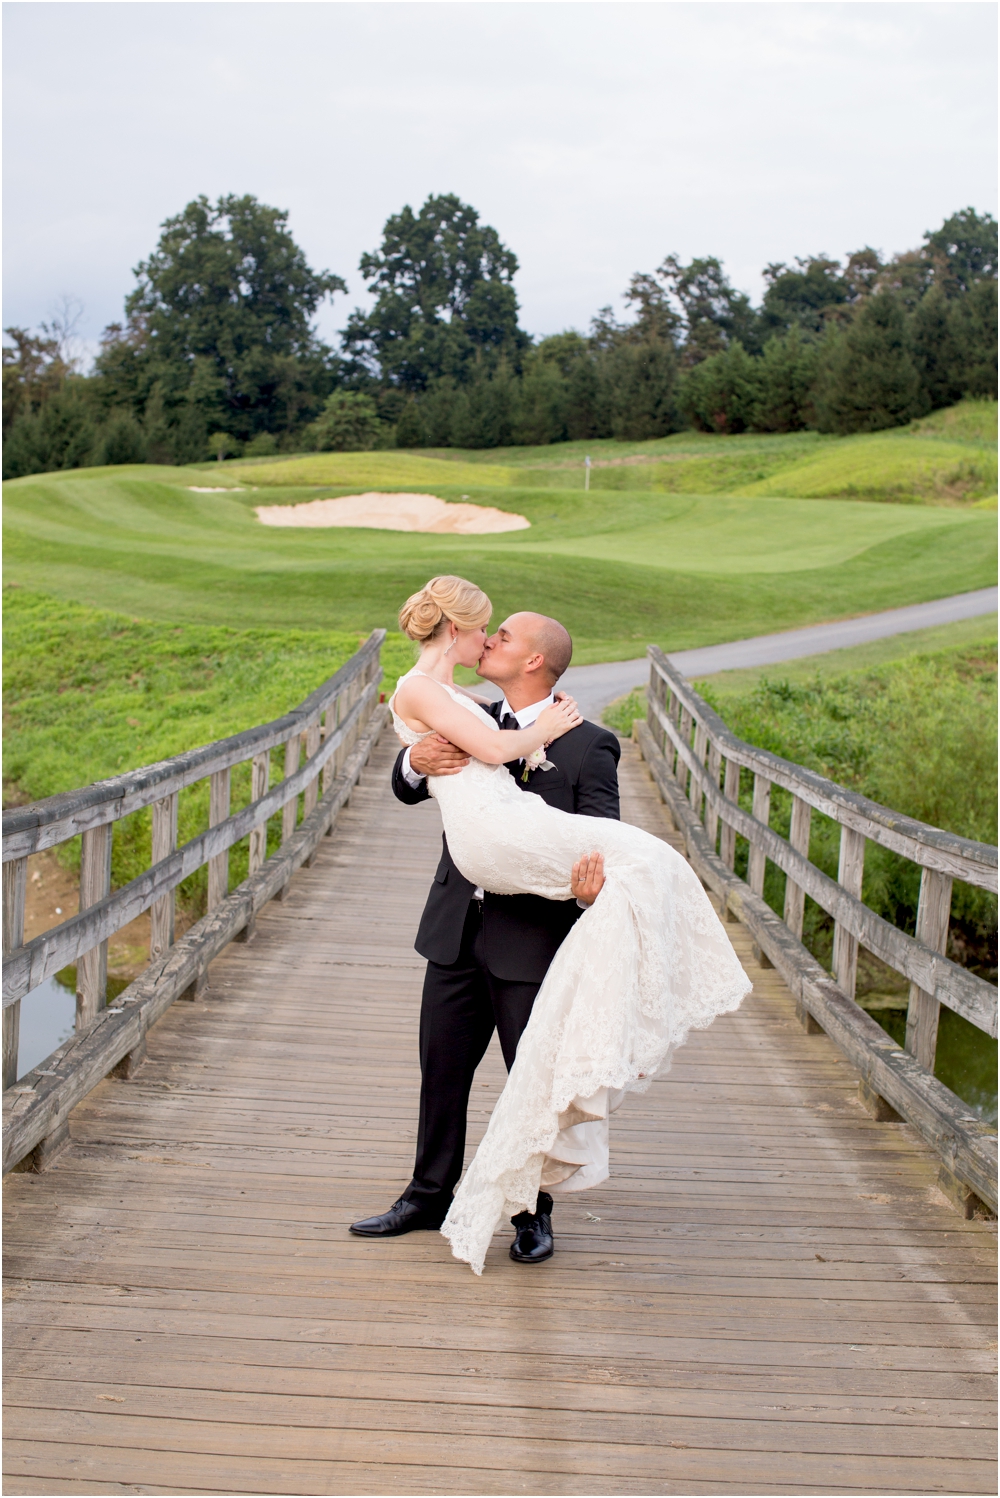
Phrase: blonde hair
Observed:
(425, 614)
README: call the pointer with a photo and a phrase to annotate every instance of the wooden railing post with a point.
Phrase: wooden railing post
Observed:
(711, 814)
(311, 797)
(95, 883)
(161, 912)
(260, 777)
(673, 708)
(290, 810)
(762, 813)
(15, 883)
(795, 897)
(923, 1011)
(850, 873)
(218, 811)
(695, 792)
(727, 837)
(685, 732)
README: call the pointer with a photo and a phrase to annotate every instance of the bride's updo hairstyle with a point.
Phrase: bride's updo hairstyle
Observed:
(444, 600)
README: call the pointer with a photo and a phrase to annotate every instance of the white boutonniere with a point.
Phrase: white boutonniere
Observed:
(536, 761)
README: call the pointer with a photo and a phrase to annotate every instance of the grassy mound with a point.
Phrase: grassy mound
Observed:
(620, 569)
(889, 467)
(948, 458)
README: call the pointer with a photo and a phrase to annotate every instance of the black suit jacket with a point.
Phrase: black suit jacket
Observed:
(521, 932)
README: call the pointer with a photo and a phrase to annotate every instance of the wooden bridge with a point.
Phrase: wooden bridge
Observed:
(772, 1294)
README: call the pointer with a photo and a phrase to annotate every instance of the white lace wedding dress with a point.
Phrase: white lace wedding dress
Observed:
(646, 963)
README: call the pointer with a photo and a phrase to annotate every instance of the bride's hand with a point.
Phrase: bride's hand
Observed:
(558, 719)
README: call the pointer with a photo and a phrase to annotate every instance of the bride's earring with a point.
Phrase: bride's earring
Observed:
(450, 647)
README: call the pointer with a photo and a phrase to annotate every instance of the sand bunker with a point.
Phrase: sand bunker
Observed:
(395, 512)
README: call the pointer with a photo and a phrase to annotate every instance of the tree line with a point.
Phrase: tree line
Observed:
(217, 351)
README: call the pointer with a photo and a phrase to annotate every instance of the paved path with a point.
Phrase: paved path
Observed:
(768, 1297)
(595, 686)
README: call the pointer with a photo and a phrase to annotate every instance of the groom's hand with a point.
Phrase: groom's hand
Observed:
(587, 879)
(436, 756)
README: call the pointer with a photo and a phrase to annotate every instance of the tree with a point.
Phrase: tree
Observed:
(785, 376)
(963, 251)
(348, 423)
(61, 434)
(806, 297)
(721, 394)
(222, 445)
(444, 302)
(221, 320)
(640, 390)
(410, 428)
(867, 378)
(936, 351)
(974, 321)
(121, 440)
(714, 314)
(544, 396)
(34, 369)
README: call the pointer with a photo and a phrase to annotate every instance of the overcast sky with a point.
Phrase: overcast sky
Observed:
(595, 137)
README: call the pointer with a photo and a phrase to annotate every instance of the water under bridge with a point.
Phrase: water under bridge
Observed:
(787, 1285)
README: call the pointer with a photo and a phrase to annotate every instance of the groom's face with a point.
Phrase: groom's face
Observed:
(512, 653)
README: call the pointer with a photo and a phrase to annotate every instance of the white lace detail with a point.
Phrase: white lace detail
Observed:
(646, 963)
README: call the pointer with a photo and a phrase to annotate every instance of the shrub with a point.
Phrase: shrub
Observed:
(61, 435)
(867, 378)
(348, 423)
(786, 375)
(410, 428)
(721, 394)
(121, 441)
(222, 445)
(264, 445)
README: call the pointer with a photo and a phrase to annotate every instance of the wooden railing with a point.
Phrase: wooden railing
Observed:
(696, 762)
(335, 729)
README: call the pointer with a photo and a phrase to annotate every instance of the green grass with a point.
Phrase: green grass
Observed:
(889, 467)
(620, 569)
(89, 693)
(947, 458)
(976, 634)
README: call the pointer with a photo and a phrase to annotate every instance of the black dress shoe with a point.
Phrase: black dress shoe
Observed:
(402, 1217)
(533, 1240)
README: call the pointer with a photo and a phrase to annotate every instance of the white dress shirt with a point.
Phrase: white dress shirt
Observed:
(525, 717)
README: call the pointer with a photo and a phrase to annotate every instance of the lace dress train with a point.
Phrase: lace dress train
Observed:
(645, 964)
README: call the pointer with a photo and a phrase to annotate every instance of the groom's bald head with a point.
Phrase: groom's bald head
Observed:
(526, 656)
(552, 640)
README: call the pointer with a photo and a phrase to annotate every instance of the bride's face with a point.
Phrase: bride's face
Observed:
(468, 645)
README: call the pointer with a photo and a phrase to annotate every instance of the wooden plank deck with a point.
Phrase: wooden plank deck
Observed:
(769, 1296)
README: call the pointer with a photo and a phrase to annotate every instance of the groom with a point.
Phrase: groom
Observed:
(487, 954)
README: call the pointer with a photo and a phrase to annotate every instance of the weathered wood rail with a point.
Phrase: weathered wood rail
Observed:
(696, 762)
(335, 728)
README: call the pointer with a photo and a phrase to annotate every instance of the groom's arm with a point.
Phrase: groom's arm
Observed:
(432, 756)
(403, 787)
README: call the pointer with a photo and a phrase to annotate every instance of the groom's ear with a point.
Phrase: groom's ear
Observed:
(534, 663)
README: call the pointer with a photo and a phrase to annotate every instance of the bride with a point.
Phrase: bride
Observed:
(647, 962)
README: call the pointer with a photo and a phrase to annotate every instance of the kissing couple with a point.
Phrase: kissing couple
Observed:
(587, 943)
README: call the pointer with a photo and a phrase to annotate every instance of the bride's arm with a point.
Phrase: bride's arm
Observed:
(423, 704)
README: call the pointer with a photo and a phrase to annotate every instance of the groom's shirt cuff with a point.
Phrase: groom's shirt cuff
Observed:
(413, 780)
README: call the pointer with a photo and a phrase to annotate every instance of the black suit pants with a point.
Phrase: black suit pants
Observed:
(462, 1005)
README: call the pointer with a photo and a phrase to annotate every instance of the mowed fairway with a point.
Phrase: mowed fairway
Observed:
(619, 567)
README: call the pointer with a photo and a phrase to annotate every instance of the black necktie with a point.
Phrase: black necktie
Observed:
(509, 721)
